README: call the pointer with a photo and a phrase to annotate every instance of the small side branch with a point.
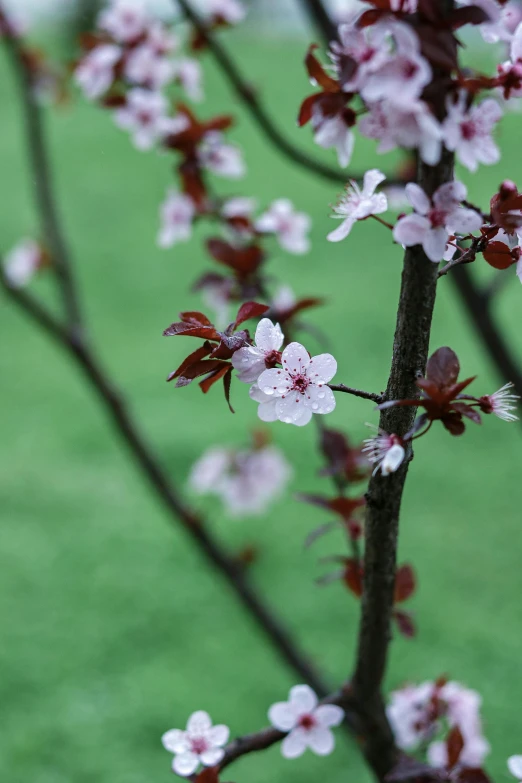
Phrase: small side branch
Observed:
(340, 387)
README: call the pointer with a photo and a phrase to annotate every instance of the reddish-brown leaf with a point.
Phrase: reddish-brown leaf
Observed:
(405, 623)
(306, 109)
(243, 260)
(472, 775)
(467, 411)
(200, 353)
(405, 583)
(206, 384)
(443, 367)
(317, 72)
(453, 423)
(227, 380)
(197, 369)
(454, 746)
(195, 317)
(250, 310)
(498, 255)
(353, 576)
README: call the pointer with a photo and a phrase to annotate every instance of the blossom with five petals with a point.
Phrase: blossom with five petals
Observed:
(290, 226)
(309, 724)
(357, 204)
(252, 360)
(201, 742)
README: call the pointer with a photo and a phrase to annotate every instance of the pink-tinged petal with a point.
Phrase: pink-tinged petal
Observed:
(249, 362)
(329, 715)
(418, 198)
(175, 740)
(199, 723)
(372, 178)
(411, 230)
(267, 411)
(320, 399)
(295, 358)
(450, 193)
(519, 269)
(282, 716)
(434, 244)
(516, 54)
(295, 744)
(515, 762)
(437, 754)
(267, 223)
(342, 231)
(344, 148)
(295, 242)
(379, 204)
(218, 735)
(322, 368)
(292, 409)
(212, 756)
(274, 382)
(489, 112)
(257, 395)
(488, 152)
(303, 699)
(321, 741)
(465, 221)
(467, 155)
(269, 336)
(185, 764)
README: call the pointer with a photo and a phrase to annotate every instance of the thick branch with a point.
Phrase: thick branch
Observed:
(254, 104)
(340, 387)
(43, 185)
(321, 19)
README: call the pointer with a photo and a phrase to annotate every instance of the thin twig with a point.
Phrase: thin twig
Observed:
(321, 19)
(467, 257)
(340, 387)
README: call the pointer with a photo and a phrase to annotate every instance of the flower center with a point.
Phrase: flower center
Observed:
(437, 217)
(300, 383)
(198, 745)
(367, 55)
(468, 130)
(307, 722)
(409, 70)
(145, 117)
(272, 358)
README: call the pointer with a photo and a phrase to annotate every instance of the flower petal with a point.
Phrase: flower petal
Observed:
(418, 198)
(321, 740)
(274, 382)
(322, 368)
(372, 178)
(218, 735)
(329, 715)
(303, 699)
(434, 244)
(449, 193)
(175, 741)
(515, 766)
(269, 336)
(282, 716)
(320, 399)
(199, 723)
(267, 411)
(292, 409)
(465, 221)
(411, 230)
(249, 362)
(294, 744)
(211, 756)
(342, 231)
(295, 358)
(185, 764)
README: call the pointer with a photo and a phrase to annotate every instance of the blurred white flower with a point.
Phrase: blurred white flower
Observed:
(200, 743)
(467, 131)
(145, 117)
(95, 72)
(515, 766)
(252, 360)
(357, 204)
(309, 724)
(21, 263)
(177, 213)
(291, 227)
(125, 20)
(187, 71)
(221, 158)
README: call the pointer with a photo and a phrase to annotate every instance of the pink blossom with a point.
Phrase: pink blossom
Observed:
(502, 21)
(300, 387)
(385, 451)
(501, 403)
(177, 214)
(368, 47)
(411, 127)
(216, 294)
(238, 206)
(221, 158)
(200, 743)
(145, 116)
(462, 710)
(290, 226)
(283, 299)
(95, 72)
(145, 67)
(515, 766)
(467, 132)
(434, 220)
(22, 262)
(247, 481)
(125, 20)
(333, 132)
(187, 71)
(230, 11)
(252, 360)
(357, 204)
(161, 39)
(309, 724)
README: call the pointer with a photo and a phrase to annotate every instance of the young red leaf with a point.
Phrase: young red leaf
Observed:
(498, 255)
(320, 531)
(353, 576)
(405, 583)
(227, 380)
(206, 384)
(467, 411)
(199, 368)
(195, 317)
(454, 746)
(443, 367)
(250, 310)
(200, 353)
(405, 623)
(317, 72)
(208, 775)
(306, 109)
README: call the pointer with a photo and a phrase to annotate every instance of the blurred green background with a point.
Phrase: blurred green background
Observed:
(114, 629)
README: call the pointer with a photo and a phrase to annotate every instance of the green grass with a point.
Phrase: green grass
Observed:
(113, 628)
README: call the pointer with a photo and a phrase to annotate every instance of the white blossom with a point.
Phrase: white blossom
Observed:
(21, 263)
(290, 226)
(467, 132)
(502, 22)
(177, 214)
(221, 158)
(145, 116)
(300, 387)
(252, 360)
(411, 127)
(501, 403)
(309, 724)
(435, 220)
(95, 72)
(247, 481)
(125, 20)
(187, 71)
(333, 132)
(357, 204)
(145, 67)
(200, 743)
(385, 451)
(230, 11)
(515, 766)
(238, 206)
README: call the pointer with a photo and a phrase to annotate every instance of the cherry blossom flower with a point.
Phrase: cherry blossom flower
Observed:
(503, 21)
(411, 127)
(238, 206)
(144, 67)
(283, 299)
(187, 71)
(408, 714)
(145, 116)
(125, 20)
(462, 709)
(385, 451)
(467, 131)
(368, 48)
(357, 204)
(161, 39)
(333, 132)
(95, 72)
(247, 481)
(501, 403)
(252, 360)
(267, 408)
(434, 220)
(230, 11)
(309, 724)
(299, 388)
(177, 214)
(21, 263)
(221, 158)
(290, 226)
(200, 743)
(515, 766)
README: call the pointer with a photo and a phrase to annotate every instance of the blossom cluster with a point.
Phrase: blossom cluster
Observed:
(421, 716)
(23, 261)
(305, 722)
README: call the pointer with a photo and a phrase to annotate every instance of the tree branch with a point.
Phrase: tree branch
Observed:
(321, 19)
(340, 387)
